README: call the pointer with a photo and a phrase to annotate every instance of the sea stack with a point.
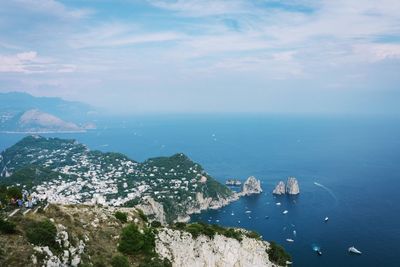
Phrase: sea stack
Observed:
(279, 189)
(251, 186)
(292, 186)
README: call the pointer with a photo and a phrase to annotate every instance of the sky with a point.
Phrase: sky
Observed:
(206, 56)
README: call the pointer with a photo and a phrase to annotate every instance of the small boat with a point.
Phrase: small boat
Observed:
(289, 240)
(319, 252)
(289, 262)
(238, 221)
(294, 232)
(326, 219)
(248, 211)
(354, 250)
(285, 212)
(278, 203)
(232, 213)
(217, 221)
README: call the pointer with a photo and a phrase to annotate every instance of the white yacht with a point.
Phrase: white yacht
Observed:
(354, 250)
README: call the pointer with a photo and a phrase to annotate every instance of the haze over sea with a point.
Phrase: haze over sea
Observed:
(355, 162)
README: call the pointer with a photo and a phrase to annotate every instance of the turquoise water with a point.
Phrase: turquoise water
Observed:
(356, 160)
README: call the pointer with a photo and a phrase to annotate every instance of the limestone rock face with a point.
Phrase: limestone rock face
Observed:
(292, 186)
(152, 207)
(184, 251)
(279, 189)
(251, 186)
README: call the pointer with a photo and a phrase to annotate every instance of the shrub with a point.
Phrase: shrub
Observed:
(155, 224)
(42, 233)
(14, 192)
(180, 225)
(156, 262)
(148, 241)
(253, 234)
(131, 241)
(232, 233)
(142, 215)
(7, 227)
(120, 261)
(122, 216)
(196, 229)
(134, 242)
(277, 254)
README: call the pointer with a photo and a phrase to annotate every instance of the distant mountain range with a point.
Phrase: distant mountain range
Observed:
(21, 112)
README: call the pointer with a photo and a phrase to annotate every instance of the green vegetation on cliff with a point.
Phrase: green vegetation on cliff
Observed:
(75, 174)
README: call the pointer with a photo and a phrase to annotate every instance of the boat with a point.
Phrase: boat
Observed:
(289, 262)
(278, 203)
(326, 219)
(233, 182)
(289, 240)
(352, 249)
(319, 252)
(248, 211)
(294, 232)
(232, 213)
(285, 212)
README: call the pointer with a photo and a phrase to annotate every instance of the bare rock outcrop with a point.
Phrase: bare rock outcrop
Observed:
(185, 251)
(280, 189)
(292, 186)
(151, 207)
(251, 186)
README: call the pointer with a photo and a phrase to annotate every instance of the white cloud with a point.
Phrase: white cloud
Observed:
(377, 52)
(200, 8)
(52, 8)
(29, 62)
(117, 34)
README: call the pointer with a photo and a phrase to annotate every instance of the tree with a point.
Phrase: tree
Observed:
(42, 233)
(122, 216)
(131, 241)
(120, 261)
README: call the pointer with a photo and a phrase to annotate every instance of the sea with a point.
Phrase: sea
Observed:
(348, 168)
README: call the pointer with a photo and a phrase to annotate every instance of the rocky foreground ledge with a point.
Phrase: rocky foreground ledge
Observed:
(186, 251)
(79, 235)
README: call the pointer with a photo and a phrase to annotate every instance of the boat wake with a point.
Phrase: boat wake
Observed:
(327, 190)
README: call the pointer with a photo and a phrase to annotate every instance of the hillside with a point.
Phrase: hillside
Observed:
(21, 112)
(79, 235)
(66, 172)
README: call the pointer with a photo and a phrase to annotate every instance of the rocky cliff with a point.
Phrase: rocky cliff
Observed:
(220, 251)
(251, 186)
(292, 186)
(151, 207)
(279, 189)
(93, 235)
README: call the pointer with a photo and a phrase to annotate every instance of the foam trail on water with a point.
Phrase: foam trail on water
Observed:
(328, 190)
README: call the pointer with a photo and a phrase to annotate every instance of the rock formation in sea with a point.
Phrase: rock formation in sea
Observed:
(185, 251)
(292, 186)
(279, 189)
(251, 186)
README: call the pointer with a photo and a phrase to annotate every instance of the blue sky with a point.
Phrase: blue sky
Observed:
(181, 56)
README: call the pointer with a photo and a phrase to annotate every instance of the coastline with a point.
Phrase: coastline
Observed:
(41, 132)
